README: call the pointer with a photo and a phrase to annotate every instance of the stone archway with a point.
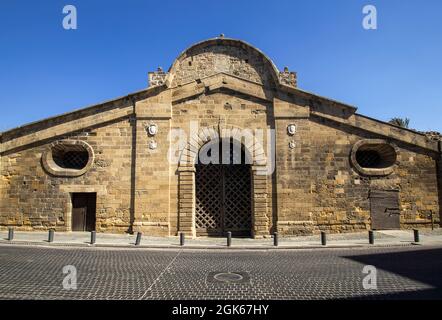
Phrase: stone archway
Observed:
(187, 185)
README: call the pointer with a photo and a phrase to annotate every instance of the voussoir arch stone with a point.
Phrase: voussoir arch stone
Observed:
(252, 146)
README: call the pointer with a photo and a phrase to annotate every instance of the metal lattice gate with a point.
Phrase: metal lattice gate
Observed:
(223, 199)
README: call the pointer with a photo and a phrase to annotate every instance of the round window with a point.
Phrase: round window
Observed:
(374, 157)
(68, 158)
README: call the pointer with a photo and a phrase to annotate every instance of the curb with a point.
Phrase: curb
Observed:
(204, 247)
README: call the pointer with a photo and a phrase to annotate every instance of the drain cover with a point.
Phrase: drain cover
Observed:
(228, 277)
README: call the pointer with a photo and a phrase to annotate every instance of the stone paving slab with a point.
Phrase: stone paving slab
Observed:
(82, 239)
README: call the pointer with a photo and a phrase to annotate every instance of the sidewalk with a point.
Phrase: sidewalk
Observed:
(82, 239)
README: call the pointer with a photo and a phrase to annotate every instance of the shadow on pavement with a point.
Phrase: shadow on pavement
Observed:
(423, 265)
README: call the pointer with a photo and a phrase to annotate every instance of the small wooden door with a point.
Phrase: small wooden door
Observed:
(83, 211)
(384, 207)
(79, 219)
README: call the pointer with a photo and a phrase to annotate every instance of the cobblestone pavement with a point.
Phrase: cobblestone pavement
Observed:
(35, 272)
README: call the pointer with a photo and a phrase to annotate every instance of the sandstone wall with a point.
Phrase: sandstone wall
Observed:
(210, 111)
(31, 199)
(152, 169)
(318, 188)
(339, 195)
(205, 61)
(314, 186)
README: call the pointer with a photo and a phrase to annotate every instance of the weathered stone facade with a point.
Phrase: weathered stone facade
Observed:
(305, 175)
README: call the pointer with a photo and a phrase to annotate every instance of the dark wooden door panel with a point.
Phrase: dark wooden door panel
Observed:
(79, 219)
(83, 211)
(385, 211)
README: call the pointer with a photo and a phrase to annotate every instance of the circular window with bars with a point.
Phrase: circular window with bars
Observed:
(374, 157)
(68, 158)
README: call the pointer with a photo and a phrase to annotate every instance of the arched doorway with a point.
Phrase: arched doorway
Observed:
(223, 199)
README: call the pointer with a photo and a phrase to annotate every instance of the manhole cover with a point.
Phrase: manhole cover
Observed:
(228, 277)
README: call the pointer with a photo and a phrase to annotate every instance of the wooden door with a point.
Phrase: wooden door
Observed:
(79, 219)
(83, 211)
(385, 211)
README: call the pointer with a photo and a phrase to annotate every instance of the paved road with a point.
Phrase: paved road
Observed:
(35, 272)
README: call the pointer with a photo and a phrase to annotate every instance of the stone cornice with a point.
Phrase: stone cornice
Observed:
(382, 129)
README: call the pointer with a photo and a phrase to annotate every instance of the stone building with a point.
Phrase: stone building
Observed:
(283, 159)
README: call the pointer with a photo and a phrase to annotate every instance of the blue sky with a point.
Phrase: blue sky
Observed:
(395, 70)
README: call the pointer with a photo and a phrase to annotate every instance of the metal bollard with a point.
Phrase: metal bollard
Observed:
(138, 240)
(416, 235)
(182, 237)
(10, 234)
(370, 237)
(323, 238)
(51, 235)
(275, 239)
(93, 237)
(432, 221)
(229, 238)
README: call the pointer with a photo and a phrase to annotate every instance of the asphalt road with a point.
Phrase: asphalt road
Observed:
(36, 272)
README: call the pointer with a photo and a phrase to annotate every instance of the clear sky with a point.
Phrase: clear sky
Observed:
(395, 70)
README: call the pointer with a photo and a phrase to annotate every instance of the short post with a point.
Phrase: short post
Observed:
(370, 237)
(229, 238)
(275, 239)
(323, 238)
(51, 235)
(10, 234)
(182, 238)
(93, 237)
(138, 240)
(416, 235)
